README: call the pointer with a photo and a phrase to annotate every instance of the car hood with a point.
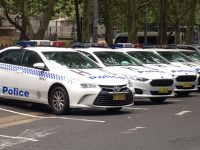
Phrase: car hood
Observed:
(97, 76)
(139, 71)
(192, 65)
(172, 69)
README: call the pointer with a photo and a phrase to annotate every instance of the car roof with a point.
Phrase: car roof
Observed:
(94, 49)
(164, 50)
(131, 49)
(41, 48)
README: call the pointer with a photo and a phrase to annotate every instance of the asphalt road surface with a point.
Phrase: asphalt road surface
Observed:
(173, 125)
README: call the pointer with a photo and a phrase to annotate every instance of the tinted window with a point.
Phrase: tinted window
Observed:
(72, 60)
(30, 58)
(174, 56)
(89, 55)
(116, 59)
(11, 56)
(193, 55)
(148, 57)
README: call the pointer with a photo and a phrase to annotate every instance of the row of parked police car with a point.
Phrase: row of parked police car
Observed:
(90, 76)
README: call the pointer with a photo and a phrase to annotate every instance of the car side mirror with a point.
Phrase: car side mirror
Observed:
(39, 66)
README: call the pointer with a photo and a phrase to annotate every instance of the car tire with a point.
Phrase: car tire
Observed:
(158, 100)
(114, 110)
(59, 101)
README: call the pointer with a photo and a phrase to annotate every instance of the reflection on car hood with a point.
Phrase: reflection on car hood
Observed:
(98, 76)
(139, 71)
(172, 69)
(192, 65)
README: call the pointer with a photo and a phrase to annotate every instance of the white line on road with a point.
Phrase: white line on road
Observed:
(136, 108)
(51, 117)
(182, 112)
(17, 137)
(133, 129)
(174, 100)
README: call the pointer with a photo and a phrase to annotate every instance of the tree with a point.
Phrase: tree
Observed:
(162, 26)
(190, 22)
(18, 13)
(134, 8)
(105, 7)
(78, 22)
(87, 21)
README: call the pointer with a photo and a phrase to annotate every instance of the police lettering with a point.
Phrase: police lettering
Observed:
(105, 76)
(15, 91)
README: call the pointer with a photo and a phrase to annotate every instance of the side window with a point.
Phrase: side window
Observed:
(11, 56)
(89, 55)
(30, 58)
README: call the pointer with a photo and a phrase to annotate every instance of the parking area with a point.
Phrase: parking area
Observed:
(171, 125)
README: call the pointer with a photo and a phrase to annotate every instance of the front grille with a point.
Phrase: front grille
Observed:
(186, 78)
(181, 87)
(119, 88)
(106, 99)
(157, 93)
(162, 82)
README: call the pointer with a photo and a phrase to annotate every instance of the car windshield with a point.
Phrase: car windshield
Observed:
(147, 57)
(173, 56)
(114, 58)
(193, 55)
(71, 60)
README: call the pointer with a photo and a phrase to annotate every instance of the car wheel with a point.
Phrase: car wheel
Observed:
(114, 110)
(183, 93)
(157, 100)
(59, 101)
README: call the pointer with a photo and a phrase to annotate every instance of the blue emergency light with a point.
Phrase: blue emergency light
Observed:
(26, 43)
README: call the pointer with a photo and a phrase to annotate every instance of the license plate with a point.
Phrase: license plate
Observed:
(187, 85)
(119, 97)
(163, 90)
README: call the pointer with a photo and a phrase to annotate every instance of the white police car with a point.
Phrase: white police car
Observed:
(61, 78)
(148, 83)
(178, 59)
(186, 78)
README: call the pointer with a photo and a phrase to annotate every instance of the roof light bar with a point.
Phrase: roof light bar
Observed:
(26, 43)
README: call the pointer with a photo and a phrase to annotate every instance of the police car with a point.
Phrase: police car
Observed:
(178, 59)
(61, 78)
(148, 83)
(186, 78)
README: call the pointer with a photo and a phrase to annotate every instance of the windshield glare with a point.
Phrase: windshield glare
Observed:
(116, 59)
(71, 60)
(174, 56)
(194, 55)
(147, 57)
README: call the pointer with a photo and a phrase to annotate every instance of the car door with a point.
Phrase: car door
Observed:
(9, 62)
(29, 78)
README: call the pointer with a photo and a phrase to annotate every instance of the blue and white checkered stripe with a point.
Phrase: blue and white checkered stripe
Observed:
(34, 72)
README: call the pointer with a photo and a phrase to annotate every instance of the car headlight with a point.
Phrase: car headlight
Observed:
(88, 85)
(137, 78)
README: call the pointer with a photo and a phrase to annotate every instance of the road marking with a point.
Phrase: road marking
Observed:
(133, 129)
(52, 117)
(174, 100)
(136, 108)
(17, 137)
(182, 112)
(32, 135)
